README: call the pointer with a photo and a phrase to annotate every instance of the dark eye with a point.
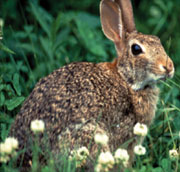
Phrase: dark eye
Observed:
(136, 49)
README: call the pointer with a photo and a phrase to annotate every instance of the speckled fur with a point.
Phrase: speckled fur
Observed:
(85, 93)
(81, 99)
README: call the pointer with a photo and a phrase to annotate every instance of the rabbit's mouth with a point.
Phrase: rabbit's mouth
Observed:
(166, 76)
(159, 79)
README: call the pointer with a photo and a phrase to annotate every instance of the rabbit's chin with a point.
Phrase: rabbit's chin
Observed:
(140, 85)
(148, 83)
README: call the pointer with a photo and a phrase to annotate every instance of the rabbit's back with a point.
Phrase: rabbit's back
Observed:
(72, 94)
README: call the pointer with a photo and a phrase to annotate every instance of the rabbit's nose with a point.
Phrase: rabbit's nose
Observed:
(169, 67)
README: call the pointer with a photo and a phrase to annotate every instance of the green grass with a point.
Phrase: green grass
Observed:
(39, 38)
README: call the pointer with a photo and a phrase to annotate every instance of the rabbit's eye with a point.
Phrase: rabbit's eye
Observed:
(136, 49)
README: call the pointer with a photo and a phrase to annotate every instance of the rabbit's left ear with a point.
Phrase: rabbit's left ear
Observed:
(127, 15)
(111, 20)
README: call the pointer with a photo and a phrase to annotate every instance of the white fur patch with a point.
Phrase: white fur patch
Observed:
(137, 86)
(148, 81)
(162, 68)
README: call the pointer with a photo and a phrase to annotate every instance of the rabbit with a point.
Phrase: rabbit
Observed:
(82, 98)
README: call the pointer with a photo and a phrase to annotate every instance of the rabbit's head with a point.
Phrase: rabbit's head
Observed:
(142, 59)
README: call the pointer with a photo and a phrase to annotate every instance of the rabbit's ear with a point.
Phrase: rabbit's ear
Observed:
(127, 14)
(111, 20)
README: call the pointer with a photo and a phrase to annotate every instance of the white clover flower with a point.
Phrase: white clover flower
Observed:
(80, 155)
(139, 150)
(106, 158)
(101, 168)
(83, 151)
(105, 162)
(98, 168)
(37, 126)
(101, 139)
(12, 142)
(5, 148)
(4, 159)
(140, 129)
(173, 154)
(121, 154)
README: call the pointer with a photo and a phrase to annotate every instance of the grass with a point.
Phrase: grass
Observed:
(38, 38)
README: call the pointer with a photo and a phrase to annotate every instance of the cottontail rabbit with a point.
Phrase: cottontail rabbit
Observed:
(81, 99)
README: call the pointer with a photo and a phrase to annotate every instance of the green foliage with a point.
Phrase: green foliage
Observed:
(38, 38)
